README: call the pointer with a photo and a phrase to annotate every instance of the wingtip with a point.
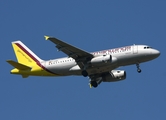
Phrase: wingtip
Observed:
(90, 85)
(8, 61)
(46, 37)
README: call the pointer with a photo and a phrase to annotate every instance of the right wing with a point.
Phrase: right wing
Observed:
(80, 56)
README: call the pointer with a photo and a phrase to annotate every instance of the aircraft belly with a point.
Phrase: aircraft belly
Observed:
(75, 70)
(62, 69)
(101, 69)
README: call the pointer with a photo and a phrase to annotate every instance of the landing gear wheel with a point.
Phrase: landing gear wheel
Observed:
(84, 73)
(94, 84)
(139, 70)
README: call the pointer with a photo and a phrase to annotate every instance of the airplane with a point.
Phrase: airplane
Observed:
(100, 66)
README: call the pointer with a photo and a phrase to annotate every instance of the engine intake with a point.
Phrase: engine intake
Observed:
(114, 75)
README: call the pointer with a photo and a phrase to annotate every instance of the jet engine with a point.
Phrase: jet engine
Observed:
(114, 75)
(103, 59)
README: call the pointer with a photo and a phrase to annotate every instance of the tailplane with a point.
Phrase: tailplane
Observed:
(19, 66)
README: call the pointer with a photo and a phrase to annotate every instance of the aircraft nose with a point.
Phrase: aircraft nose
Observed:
(156, 53)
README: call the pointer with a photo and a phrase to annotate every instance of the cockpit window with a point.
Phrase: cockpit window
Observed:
(147, 47)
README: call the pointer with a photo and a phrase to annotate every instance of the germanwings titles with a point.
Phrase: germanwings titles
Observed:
(99, 66)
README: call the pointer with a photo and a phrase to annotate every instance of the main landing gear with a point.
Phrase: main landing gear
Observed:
(84, 73)
(94, 84)
(138, 68)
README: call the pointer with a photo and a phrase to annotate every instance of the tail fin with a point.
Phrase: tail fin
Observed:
(24, 55)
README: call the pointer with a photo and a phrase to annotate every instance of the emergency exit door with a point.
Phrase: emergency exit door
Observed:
(135, 49)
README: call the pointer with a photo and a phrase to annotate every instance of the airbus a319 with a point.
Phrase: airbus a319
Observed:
(100, 66)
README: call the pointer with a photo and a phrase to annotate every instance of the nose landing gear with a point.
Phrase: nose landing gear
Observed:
(138, 68)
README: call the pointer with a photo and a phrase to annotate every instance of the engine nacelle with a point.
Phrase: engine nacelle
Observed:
(103, 59)
(114, 75)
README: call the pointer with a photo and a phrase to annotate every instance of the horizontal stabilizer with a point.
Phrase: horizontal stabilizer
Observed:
(18, 65)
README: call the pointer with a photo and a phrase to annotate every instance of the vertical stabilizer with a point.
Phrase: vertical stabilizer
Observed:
(24, 54)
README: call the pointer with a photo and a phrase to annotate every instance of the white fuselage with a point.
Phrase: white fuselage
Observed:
(127, 55)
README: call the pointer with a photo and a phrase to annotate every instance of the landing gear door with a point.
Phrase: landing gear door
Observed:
(135, 49)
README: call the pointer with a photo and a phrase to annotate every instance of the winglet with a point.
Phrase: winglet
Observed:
(46, 37)
(90, 85)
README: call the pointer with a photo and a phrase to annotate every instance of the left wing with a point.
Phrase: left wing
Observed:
(80, 56)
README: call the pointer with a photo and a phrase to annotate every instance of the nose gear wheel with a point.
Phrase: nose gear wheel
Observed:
(138, 68)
